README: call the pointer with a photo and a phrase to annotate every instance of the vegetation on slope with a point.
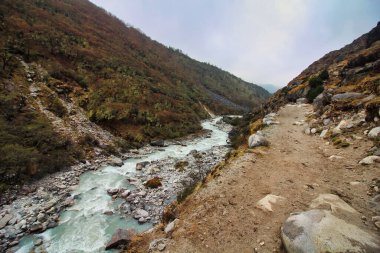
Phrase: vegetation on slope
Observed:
(29, 146)
(123, 79)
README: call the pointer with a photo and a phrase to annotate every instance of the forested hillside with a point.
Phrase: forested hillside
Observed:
(63, 62)
(116, 72)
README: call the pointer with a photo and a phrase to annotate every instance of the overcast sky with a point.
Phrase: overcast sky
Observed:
(261, 41)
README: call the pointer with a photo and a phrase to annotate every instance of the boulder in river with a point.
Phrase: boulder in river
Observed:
(256, 140)
(113, 191)
(115, 161)
(319, 231)
(120, 238)
(141, 165)
(140, 213)
(157, 143)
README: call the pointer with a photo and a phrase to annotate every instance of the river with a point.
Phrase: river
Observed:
(84, 227)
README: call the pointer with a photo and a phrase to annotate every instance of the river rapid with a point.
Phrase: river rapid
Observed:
(90, 222)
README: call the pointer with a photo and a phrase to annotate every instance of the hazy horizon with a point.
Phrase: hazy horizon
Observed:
(267, 42)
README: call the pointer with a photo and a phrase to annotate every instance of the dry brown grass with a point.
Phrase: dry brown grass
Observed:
(255, 126)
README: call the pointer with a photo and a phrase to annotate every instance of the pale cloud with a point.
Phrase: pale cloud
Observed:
(261, 41)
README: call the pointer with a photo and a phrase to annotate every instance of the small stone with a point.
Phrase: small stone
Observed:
(40, 216)
(38, 242)
(335, 157)
(266, 203)
(323, 133)
(161, 246)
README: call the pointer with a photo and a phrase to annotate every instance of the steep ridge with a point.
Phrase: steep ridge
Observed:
(75, 67)
(353, 70)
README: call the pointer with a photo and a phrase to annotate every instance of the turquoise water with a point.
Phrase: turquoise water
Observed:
(84, 228)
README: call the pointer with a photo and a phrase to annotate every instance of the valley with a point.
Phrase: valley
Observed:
(111, 141)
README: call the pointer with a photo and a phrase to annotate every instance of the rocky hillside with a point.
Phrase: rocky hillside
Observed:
(73, 77)
(353, 70)
(340, 85)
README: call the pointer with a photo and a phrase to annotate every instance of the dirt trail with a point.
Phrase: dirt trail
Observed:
(222, 216)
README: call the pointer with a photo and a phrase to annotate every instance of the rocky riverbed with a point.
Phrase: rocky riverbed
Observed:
(37, 206)
(150, 186)
(158, 183)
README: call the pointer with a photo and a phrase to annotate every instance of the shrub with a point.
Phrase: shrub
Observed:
(186, 192)
(57, 107)
(324, 75)
(314, 92)
(69, 75)
(315, 81)
(88, 140)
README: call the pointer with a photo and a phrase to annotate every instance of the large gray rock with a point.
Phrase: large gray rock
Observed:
(170, 227)
(140, 213)
(374, 132)
(318, 230)
(321, 101)
(256, 140)
(115, 161)
(344, 96)
(158, 143)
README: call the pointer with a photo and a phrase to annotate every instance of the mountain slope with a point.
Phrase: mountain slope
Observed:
(140, 81)
(354, 68)
(68, 67)
(345, 81)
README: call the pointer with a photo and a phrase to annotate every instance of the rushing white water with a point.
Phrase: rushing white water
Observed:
(84, 227)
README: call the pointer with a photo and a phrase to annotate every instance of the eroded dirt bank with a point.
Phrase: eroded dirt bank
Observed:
(223, 217)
